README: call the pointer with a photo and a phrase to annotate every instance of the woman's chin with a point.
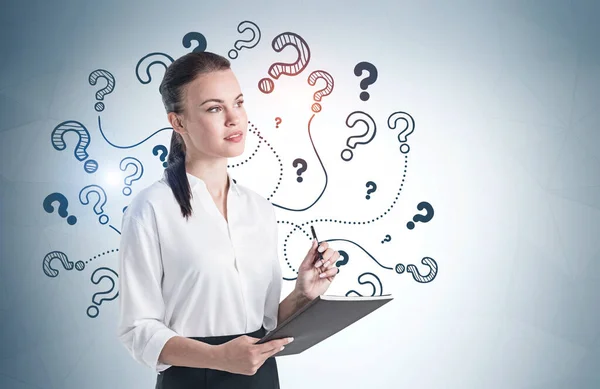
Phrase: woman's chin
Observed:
(233, 152)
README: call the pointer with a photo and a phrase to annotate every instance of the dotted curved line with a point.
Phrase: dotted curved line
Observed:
(255, 150)
(262, 139)
(99, 255)
(299, 227)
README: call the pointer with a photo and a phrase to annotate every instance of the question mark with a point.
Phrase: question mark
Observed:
(194, 36)
(84, 199)
(410, 127)
(421, 218)
(300, 161)
(62, 207)
(371, 127)
(364, 84)
(423, 279)
(242, 27)
(374, 285)
(312, 79)
(163, 154)
(136, 175)
(277, 122)
(62, 257)
(344, 261)
(291, 69)
(97, 276)
(147, 61)
(110, 86)
(371, 183)
(58, 142)
(387, 239)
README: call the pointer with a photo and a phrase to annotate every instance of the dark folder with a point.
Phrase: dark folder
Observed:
(321, 318)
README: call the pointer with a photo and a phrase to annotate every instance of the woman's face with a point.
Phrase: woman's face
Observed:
(213, 111)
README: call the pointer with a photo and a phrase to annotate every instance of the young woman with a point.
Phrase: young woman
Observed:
(200, 279)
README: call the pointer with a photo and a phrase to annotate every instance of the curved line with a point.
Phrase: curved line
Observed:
(128, 147)
(113, 227)
(324, 171)
(349, 241)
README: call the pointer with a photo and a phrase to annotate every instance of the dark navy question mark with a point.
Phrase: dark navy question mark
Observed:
(62, 207)
(373, 189)
(194, 36)
(300, 161)
(344, 261)
(421, 218)
(163, 154)
(364, 84)
(387, 239)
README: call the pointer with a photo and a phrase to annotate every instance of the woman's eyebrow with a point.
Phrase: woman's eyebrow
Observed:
(218, 100)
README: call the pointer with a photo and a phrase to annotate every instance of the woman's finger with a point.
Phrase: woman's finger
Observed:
(323, 246)
(330, 272)
(330, 260)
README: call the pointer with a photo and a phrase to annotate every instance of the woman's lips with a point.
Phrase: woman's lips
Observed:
(235, 139)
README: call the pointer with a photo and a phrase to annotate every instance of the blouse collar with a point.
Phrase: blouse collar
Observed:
(195, 181)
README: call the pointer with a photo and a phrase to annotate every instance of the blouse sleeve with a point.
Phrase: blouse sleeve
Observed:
(141, 328)
(274, 291)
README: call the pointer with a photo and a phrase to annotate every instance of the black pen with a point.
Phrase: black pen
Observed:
(314, 234)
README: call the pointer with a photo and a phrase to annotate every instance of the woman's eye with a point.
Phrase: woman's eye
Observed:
(211, 109)
(240, 102)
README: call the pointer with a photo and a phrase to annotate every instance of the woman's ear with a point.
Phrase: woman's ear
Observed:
(176, 123)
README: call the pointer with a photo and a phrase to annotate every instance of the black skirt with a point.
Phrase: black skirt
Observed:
(180, 377)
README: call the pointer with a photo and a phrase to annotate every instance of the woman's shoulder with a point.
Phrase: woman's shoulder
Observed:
(255, 198)
(143, 204)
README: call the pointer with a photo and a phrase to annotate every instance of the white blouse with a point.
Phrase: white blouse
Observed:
(196, 278)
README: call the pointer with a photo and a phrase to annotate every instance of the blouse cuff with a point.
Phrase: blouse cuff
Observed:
(155, 346)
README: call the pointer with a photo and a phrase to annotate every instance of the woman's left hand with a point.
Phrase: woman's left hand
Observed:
(309, 283)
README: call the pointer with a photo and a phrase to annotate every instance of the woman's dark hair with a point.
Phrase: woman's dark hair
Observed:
(180, 73)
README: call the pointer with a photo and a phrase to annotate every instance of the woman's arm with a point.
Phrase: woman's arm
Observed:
(291, 304)
(182, 351)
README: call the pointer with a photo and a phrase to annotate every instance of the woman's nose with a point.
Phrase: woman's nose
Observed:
(233, 117)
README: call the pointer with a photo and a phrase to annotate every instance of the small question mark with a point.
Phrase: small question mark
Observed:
(147, 61)
(163, 154)
(387, 239)
(58, 142)
(62, 257)
(373, 189)
(97, 276)
(291, 69)
(364, 84)
(136, 175)
(300, 161)
(374, 285)
(277, 122)
(423, 279)
(410, 127)
(312, 79)
(98, 210)
(194, 36)
(62, 207)
(344, 261)
(421, 218)
(110, 86)
(359, 116)
(242, 27)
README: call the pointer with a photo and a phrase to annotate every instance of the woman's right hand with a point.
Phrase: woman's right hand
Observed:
(242, 356)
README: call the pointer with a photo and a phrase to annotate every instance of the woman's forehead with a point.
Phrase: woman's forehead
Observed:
(214, 85)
